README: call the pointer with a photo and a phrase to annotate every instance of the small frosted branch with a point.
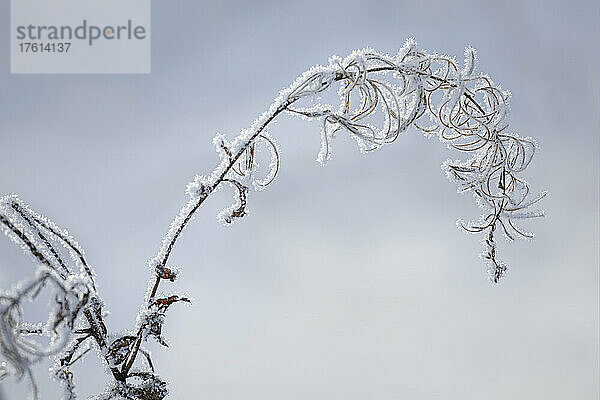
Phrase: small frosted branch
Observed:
(380, 96)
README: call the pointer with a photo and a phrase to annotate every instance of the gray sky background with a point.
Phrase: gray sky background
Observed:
(344, 282)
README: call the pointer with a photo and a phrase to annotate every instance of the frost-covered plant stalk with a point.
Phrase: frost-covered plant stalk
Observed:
(380, 97)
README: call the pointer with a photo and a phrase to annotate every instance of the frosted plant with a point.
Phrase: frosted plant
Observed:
(380, 96)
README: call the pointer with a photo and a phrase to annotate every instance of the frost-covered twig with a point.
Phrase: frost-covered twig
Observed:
(70, 281)
(464, 108)
(380, 97)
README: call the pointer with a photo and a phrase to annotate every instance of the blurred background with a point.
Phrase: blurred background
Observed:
(345, 282)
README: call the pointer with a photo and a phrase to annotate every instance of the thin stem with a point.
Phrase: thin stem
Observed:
(133, 354)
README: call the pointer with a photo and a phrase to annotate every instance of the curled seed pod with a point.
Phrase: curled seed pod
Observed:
(237, 210)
